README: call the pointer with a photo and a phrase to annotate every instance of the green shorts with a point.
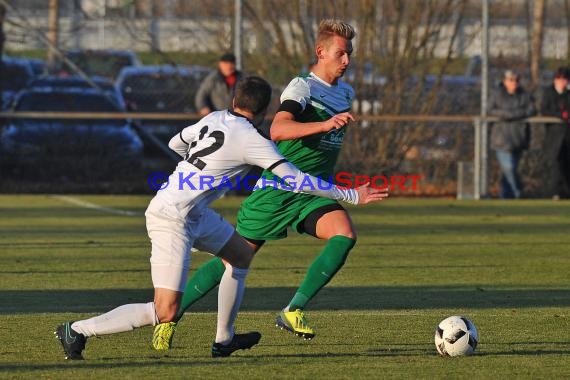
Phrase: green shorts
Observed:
(267, 213)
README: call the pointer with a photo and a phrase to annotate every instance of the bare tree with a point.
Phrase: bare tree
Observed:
(567, 19)
(53, 32)
(536, 41)
(2, 36)
(412, 32)
(2, 39)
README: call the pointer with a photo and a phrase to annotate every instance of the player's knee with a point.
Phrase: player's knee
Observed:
(243, 259)
(343, 243)
(237, 252)
(347, 233)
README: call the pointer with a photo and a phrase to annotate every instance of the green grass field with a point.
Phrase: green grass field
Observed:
(505, 265)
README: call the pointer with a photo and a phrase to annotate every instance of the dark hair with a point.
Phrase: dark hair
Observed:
(562, 72)
(253, 94)
(228, 57)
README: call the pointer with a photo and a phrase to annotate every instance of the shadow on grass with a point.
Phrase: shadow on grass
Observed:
(91, 364)
(563, 348)
(493, 208)
(273, 298)
(526, 348)
(488, 228)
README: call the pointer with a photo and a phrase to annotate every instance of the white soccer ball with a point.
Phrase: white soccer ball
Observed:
(456, 336)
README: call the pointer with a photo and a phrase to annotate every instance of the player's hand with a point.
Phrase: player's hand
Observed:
(368, 194)
(337, 121)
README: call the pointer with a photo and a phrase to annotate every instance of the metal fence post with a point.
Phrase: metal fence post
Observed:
(477, 159)
(484, 181)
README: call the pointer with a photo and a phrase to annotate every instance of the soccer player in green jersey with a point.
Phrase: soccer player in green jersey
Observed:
(309, 127)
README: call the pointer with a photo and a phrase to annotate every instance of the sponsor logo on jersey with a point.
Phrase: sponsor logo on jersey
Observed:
(332, 140)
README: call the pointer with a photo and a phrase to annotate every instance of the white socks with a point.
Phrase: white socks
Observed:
(230, 294)
(123, 318)
(128, 317)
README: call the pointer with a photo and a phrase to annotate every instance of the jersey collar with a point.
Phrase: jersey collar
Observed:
(232, 112)
(318, 79)
(262, 131)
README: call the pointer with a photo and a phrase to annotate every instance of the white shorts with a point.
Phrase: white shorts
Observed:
(173, 235)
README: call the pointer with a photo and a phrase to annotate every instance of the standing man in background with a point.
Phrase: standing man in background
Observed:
(556, 102)
(510, 136)
(217, 89)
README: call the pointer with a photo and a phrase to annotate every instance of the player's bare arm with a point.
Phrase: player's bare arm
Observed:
(285, 127)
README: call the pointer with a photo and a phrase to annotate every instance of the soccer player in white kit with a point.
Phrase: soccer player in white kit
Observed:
(217, 149)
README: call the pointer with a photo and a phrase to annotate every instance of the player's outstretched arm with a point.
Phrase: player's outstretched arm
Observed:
(297, 181)
(261, 152)
(285, 127)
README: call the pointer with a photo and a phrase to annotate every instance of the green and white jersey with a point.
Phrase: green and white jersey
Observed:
(316, 154)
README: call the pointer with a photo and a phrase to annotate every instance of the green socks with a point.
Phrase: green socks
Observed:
(206, 278)
(322, 270)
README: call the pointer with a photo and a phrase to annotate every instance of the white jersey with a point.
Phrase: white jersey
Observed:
(325, 99)
(219, 148)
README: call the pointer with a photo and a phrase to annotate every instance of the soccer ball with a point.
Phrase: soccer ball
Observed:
(456, 336)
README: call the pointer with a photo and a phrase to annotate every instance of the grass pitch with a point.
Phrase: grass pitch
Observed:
(505, 265)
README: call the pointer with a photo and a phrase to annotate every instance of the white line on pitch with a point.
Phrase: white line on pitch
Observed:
(93, 206)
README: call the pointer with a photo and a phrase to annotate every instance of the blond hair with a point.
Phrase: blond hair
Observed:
(330, 28)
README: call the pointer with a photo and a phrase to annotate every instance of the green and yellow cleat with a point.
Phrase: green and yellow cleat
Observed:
(296, 323)
(162, 336)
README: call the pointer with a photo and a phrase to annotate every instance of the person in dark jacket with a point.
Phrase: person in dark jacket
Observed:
(510, 136)
(556, 102)
(216, 90)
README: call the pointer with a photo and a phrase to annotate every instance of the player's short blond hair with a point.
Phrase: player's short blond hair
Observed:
(330, 28)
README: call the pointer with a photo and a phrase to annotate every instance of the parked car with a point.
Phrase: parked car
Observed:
(104, 63)
(161, 88)
(16, 73)
(77, 148)
(104, 85)
(39, 66)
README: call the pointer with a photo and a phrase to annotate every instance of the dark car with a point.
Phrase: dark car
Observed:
(76, 148)
(162, 88)
(15, 74)
(104, 63)
(104, 85)
(39, 66)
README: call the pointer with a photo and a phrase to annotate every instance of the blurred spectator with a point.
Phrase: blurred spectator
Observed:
(556, 102)
(565, 165)
(510, 136)
(216, 91)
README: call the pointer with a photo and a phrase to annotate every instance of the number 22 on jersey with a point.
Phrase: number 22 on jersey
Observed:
(206, 144)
